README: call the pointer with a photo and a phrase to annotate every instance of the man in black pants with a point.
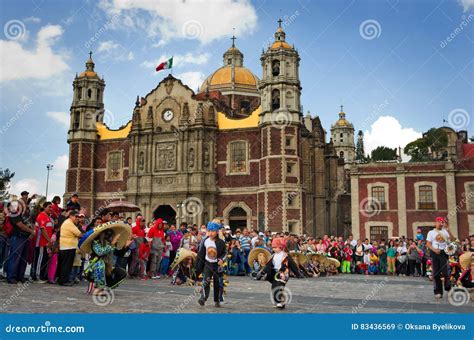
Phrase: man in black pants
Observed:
(436, 241)
(210, 261)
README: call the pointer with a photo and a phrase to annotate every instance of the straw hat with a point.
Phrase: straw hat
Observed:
(85, 243)
(465, 260)
(316, 257)
(254, 255)
(299, 258)
(181, 254)
(334, 262)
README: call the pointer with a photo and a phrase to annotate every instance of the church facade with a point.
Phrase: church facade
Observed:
(239, 149)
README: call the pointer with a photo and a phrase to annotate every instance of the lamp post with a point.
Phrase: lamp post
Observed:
(49, 167)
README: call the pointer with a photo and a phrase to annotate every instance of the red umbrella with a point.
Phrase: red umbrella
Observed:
(122, 206)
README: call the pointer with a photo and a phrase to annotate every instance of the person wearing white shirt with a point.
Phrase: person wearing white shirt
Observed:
(436, 241)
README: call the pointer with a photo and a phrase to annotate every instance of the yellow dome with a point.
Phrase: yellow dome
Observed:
(89, 74)
(343, 122)
(223, 76)
(280, 44)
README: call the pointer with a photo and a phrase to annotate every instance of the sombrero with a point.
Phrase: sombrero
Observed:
(299, 258)
(465, 260)
(334, 261)
(85, 243)
(181, 254)
(316, 257)
(253, 255)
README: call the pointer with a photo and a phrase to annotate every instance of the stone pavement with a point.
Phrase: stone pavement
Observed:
(335, 294)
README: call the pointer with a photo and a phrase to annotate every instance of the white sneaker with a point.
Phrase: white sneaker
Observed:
(156, 277)
(279, 305)
(438, 296)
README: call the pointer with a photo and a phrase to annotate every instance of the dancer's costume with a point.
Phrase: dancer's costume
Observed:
(183, 267)
(466, 277)
(210, 253)
(277, 272)
(100, 271)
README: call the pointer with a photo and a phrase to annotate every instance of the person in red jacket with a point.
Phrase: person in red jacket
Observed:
(138, 235)
(156, 235)
(44, 232)
(143, 254)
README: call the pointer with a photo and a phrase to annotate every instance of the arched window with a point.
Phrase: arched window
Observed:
(275, 99)
(276, 67)
(89, 93)
(79, 93)
(98, 94)
(114, 165)
(245, 106)
(341, 154)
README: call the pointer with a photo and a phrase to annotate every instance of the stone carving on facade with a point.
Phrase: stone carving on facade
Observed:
(212, 114)
(166, 156)
(185, 112)
(150, 114)
(191, 158)
(199, 112)
(141, 161)
(169, 86)
(205, 157)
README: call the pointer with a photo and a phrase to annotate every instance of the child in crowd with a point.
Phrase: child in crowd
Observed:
(143, 255)
(382, 254)
(366, 261)
(53, 253)
(391, 254)
(165, 259)
(373, 266)
(347, 258)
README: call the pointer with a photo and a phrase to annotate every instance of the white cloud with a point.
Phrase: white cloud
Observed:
(112, 50)
(467, 4)
(61, 163)
(179, 60)
(387, 131)
(32, 185)
(192, 79)
(107, 46)
(191, 19)
(61, 117)
(39, 63)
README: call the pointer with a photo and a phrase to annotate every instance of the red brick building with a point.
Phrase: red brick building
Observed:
(239, 149)
(394, 199)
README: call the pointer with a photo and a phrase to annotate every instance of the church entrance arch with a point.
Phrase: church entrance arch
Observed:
(166, 212)
(238, 215)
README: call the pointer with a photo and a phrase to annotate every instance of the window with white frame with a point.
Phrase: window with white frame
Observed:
(378, 197)
(238, 157)
(114, 165)
(425, 194)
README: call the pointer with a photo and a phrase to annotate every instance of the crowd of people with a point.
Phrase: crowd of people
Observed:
(47, 236)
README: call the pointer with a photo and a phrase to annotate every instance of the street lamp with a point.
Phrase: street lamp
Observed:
(49, 167)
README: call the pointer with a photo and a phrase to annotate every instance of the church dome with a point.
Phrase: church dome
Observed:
(89, 72)
(280, 44)
(342, 122)
(229, 75)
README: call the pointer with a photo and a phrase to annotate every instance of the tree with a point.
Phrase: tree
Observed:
(5, 178)
(383, 153)
(423, 149)
(360, 152)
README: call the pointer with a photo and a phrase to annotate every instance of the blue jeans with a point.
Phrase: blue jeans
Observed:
(246, 262)
(19, 247)
(165, 262)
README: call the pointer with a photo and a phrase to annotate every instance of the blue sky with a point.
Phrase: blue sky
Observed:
(399, 67)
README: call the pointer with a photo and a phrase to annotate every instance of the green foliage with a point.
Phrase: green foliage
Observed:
(421, 150)
(383, 153)
(5, 178)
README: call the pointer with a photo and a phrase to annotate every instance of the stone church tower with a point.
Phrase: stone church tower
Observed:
(342, 135)
(86, 110)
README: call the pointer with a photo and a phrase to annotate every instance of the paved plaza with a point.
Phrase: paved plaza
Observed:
(336, 294)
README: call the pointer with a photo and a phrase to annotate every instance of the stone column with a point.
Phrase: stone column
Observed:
(451, 199)
(401, 202)
(355, 203)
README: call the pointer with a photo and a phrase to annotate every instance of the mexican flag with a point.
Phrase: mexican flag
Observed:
(165, 65)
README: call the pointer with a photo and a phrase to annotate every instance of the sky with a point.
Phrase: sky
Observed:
(399, 67)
